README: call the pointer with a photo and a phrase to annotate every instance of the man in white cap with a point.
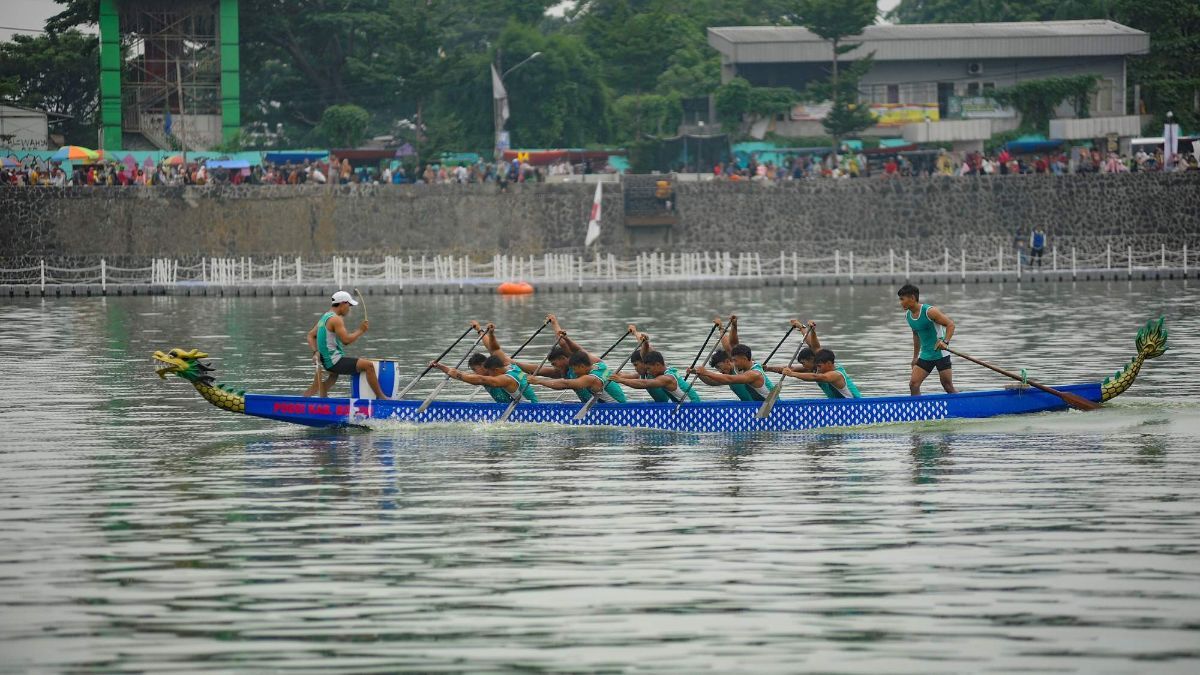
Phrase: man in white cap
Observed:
(329, 338)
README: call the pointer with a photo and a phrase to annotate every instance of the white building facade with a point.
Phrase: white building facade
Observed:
(930, 82)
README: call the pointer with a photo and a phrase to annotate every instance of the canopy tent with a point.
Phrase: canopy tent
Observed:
(295, 156)
(1032, 143)
(228, 164)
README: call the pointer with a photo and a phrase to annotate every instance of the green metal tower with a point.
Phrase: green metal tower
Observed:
(169, 73)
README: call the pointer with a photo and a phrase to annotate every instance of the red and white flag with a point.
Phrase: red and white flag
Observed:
(593, 228)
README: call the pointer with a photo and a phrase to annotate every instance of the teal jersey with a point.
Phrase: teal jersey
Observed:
(849, 391)
(501, 395)
(927, 332)
(663, 395)
(328, 344)
(753, 393)
(742, 391)
(612, 392)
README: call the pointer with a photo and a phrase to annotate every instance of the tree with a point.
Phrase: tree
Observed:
(639, 115)
(834, 21)
(739, 104)
(1037, 99)
(1170, 73)
(58, 73)
(343, 126)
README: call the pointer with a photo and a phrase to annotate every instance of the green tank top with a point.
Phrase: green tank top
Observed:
(832, 392)
(612, 392)
(501, 395)
(329, 346)
(752, 393)
(742, 391)
(927, 332)
(661, 394)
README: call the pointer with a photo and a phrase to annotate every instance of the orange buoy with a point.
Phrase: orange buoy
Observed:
(515, 288)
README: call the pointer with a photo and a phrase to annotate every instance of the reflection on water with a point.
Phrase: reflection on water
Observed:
(145, 530)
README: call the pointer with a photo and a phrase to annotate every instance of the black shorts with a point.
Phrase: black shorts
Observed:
(928, 366)
(347, 365)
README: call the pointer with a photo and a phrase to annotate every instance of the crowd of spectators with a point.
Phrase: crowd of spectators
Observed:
(851, 164)
(845, 165)
(316, 172)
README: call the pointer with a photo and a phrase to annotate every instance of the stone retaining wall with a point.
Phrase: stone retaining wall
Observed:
(866, 216)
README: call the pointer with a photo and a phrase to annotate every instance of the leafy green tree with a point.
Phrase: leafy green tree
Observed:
(343, 126)
(1170, 73)
(835, 21)
(739, 104)
(58, 73)
(985, 11)
(640, 115)
(1037, 99)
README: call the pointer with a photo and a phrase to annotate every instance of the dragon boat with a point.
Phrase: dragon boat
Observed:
(361, 408)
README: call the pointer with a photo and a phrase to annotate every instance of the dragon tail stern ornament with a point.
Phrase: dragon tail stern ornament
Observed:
(1151, 343)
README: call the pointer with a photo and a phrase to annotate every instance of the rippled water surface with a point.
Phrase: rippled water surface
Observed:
(143, 530)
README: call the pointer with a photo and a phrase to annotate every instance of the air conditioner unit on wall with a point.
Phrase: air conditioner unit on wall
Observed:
(975, 68)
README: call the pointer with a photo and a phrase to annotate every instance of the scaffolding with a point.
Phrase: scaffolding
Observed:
(169, 72)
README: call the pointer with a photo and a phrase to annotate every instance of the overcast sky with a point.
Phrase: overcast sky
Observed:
(33, 13)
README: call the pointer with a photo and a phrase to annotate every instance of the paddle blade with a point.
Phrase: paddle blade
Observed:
(587, 407)
(1075, 401)
(765, 409)
(508, 411)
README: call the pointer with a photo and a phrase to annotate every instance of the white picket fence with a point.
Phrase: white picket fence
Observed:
(566, 267)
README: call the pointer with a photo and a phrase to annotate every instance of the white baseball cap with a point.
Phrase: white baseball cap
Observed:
(342, 296)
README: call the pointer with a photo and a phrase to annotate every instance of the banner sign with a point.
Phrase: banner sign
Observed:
(810, 112)
(976, 108)
(886, 114)
(899, 114)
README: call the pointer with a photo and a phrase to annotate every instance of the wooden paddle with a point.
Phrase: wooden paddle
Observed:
(512, 405)
(587, 407)
(425, 372)
(696, 360)
(768, 405)
(619, 341)
(1070, 399)
(425, 404)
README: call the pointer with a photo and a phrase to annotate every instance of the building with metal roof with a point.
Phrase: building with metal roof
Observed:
(931, 73)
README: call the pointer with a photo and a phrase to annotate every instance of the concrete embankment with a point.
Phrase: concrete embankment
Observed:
(869, 216)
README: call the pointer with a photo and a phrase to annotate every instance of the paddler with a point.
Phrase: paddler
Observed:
(505, 382)
(560, 353)
(588, 378)
(739, 369)
(830, 377)
(662, 383)
(328, 340)
(932, 331)
(806, 357)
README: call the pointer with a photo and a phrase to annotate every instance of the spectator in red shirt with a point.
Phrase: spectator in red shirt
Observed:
(890, 167)
(1004, 159)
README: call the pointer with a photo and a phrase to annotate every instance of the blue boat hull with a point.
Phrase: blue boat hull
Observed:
(711, 416)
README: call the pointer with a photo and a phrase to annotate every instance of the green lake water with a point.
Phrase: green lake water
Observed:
(142, 529)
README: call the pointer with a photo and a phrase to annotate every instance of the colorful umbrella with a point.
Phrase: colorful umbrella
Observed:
(75, 153)
(9, 163)
(173, 160)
